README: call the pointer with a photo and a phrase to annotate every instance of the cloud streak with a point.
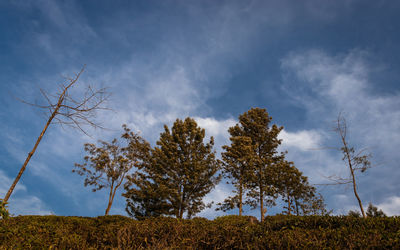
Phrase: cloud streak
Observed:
(325, 85)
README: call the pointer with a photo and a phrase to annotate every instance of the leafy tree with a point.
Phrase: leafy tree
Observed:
(312, 204)
(299, 196)
(107, 165)
(237, 163)
(66, 110)
(176, 175)
(291, 184)
(146, 199)
(373, 211)
(255, 125)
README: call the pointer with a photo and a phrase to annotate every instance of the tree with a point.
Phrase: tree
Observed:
(180, 171)
(373, 211)
(255, 125)
(296, 192)
(146, 199)
(355, 161)
(353, 213)
(66, 110)
(312, 204)
(237, 163)
(291, 184)
(107, 165)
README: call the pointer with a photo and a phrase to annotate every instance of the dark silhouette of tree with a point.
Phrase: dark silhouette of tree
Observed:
(107, 165)
(176, 176)
(353, 213)
(373, 211)
(263, 155)
(66, 110)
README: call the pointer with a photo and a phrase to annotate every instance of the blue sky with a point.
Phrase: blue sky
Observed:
(304, 61)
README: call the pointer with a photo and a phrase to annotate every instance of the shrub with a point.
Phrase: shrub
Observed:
(227, 232)
(4, 213)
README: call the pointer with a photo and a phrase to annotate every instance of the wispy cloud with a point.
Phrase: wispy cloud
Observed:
(325, 85)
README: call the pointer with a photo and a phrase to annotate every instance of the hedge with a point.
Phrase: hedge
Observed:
(227, 232)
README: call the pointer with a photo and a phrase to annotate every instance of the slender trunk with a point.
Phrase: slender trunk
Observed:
(181, 206)
(356, 194)
(108, 207)
(21, 171)
(53, 114)
(240, 198)
(110, 198)
(289, 204)
(262, 203)
(180, 212)
(297, 206)
(352, 175)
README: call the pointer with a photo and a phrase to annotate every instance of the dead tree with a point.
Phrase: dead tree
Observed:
(355, 161)
(65, 110)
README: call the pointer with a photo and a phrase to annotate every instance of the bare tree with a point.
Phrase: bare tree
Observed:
(355, 160)
(65, 110)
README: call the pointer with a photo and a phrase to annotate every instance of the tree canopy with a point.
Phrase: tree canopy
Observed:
(176, 175)
(107, 165)
(263, 155)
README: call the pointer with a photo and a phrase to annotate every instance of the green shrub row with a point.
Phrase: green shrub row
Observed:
(228, 232)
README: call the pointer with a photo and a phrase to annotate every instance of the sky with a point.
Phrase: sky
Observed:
(303, 61)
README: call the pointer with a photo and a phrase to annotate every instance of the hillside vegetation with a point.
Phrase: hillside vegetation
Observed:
(233, 232)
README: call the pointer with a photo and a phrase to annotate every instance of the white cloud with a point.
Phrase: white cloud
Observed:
(390, 206)
(29, 205)
(215, 127)
(218, 194)
(20, 203)
(303, 140)
(325, 85)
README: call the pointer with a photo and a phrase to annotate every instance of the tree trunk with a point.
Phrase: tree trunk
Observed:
(21, 171)
(261, 203)
(240, 198)
(53, 114)
(352, 173)
(289, 204)
(110, 198)
(356, 194)
(108, 207)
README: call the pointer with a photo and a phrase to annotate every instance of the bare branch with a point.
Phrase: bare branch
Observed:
(65, 110)
(355, 161)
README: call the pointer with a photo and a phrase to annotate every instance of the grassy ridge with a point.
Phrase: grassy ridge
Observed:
(233, 232)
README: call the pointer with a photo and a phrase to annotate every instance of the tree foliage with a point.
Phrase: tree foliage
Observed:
(292, 186)
(4, 213)
(236, 167)
(107, 165)
(263, 155)
(176, 175)
(300, 197)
